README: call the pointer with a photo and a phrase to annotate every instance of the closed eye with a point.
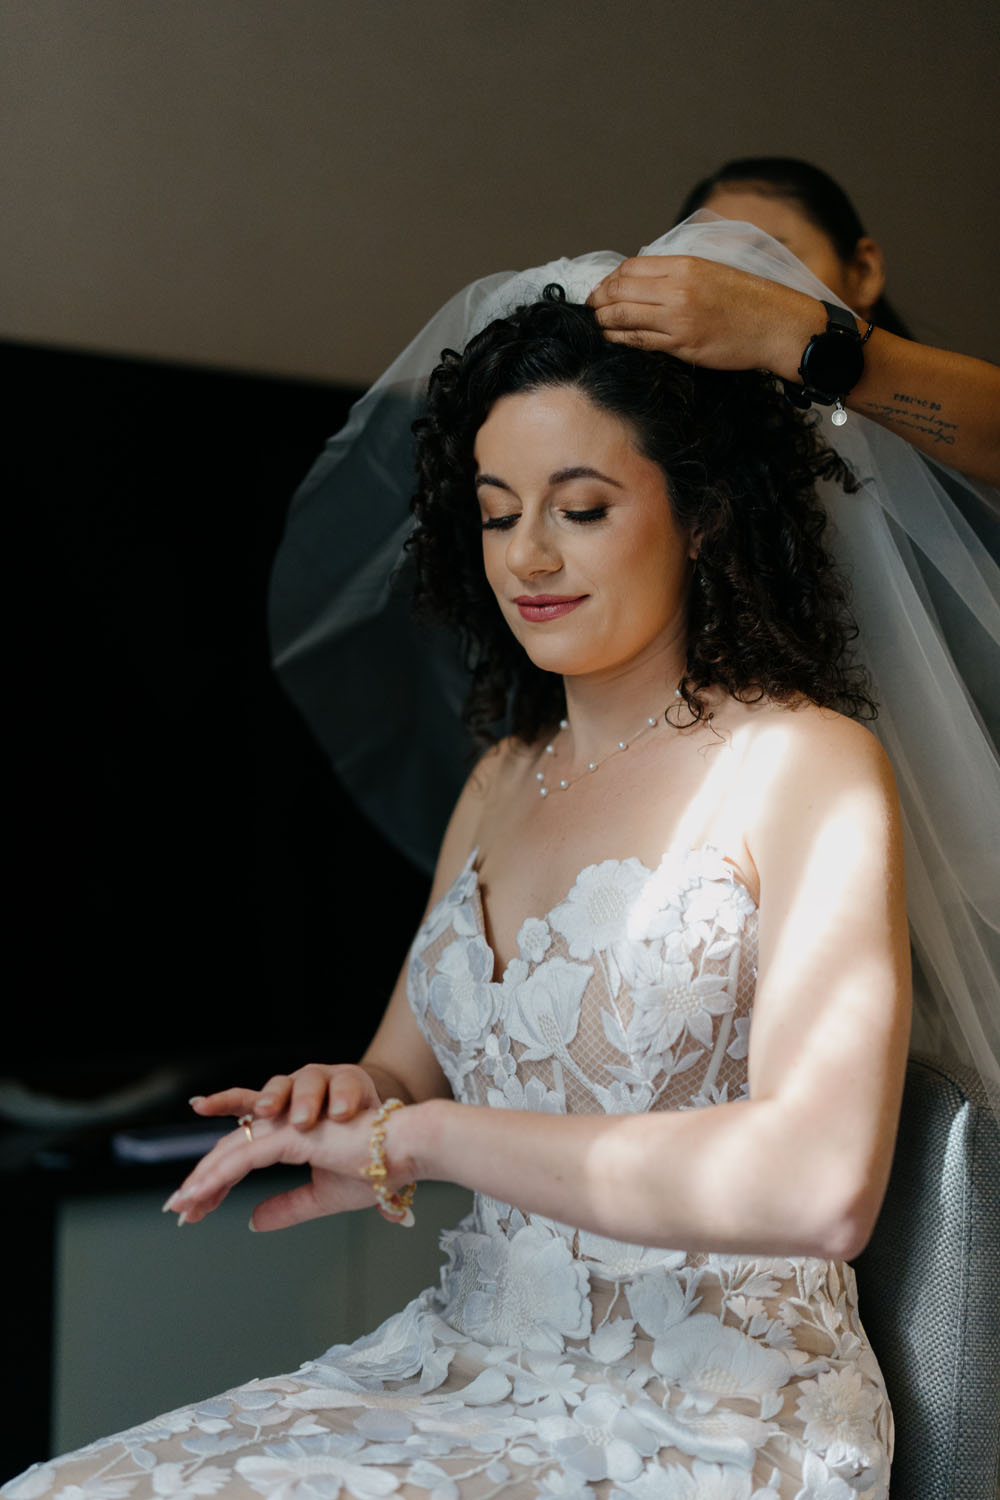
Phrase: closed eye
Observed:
(581, 517)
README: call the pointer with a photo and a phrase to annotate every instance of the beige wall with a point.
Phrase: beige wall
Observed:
(294, 185)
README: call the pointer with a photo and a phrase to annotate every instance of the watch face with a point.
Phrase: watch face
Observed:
(833, 362)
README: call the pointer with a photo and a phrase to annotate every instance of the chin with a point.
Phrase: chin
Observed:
(561, 662)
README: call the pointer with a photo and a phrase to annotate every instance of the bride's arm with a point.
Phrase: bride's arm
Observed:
(801, 1167)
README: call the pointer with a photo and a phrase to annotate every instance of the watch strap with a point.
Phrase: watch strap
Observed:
(841, 325)
(840, 317)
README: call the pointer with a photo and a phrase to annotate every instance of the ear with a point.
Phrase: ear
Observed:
(866, 276)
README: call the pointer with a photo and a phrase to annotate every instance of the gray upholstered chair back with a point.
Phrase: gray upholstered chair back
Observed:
(929, 1289)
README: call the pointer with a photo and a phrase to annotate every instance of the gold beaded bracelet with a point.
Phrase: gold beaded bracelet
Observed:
(396, 1204)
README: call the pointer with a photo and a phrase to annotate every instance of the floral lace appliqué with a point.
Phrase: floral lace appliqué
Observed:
(550, 1360)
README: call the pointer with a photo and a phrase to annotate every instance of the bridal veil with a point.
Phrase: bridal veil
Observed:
(384, 694)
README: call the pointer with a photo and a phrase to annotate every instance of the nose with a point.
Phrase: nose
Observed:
(532, 550)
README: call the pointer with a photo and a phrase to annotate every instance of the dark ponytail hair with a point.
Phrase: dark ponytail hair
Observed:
(822, 200)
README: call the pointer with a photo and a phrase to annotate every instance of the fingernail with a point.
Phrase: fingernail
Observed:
(300, 1117)
(408, 1220)
(196, 1099)
(168, 1206)
(252, 1226)
(338, 1104)
(181, 1219)
(265, 1101)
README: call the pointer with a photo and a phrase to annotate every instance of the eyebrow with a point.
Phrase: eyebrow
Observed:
(561, 476)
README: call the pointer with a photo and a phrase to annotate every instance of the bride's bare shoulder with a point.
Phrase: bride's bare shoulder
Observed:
(801, 765)
(497, 777)
(791, 730)
(501, 771)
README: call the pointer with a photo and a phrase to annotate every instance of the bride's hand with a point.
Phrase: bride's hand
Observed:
(336, 1154)
(706, 313)
(337, 1091)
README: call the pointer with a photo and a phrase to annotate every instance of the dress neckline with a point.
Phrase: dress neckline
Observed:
(731, 876)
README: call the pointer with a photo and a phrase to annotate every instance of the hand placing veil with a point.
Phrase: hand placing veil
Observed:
(727, 319)
(947, 405)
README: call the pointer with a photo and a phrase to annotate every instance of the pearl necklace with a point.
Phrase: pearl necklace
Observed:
(593, 765)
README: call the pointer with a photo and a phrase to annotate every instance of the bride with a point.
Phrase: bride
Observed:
(656, 1015)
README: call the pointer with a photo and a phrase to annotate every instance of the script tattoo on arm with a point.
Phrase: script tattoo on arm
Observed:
(916, 413)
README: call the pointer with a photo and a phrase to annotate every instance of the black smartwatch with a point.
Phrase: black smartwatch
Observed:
(832, 364)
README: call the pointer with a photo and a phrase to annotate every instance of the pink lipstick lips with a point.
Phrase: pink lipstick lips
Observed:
(540, 607)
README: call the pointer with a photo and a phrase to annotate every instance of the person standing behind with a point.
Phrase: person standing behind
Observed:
(946, 404)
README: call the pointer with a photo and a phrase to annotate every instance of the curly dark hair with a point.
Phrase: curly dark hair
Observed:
(767, 614)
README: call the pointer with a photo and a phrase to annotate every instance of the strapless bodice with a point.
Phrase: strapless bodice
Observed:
(632, 994)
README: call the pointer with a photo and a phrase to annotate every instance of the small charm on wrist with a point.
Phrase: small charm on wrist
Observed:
(395, 1204)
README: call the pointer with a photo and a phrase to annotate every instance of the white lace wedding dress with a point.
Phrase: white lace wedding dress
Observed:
(553, 1362)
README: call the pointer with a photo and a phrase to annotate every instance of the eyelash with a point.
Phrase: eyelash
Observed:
(581, 517)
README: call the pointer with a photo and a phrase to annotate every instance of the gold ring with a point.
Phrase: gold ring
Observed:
(247, 1122)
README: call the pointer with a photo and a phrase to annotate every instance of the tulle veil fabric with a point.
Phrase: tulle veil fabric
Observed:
(384, 695)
